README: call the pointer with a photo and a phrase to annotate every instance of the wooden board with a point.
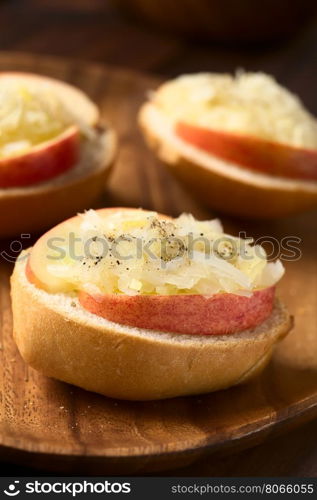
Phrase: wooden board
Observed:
(59, 427)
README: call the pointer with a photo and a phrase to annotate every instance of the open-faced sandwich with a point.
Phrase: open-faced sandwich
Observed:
(135, 305)
(54, 153)
(244, 144)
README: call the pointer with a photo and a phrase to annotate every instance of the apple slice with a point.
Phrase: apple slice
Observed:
(261, 155)
(242, 144)
(42, 162)
(219, 314)
(184, 313)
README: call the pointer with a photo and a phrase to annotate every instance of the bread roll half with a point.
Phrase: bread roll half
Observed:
(33, 208)
(59, 338)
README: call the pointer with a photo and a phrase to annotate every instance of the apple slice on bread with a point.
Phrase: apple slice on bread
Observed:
(53, 152)
(138, 305)
(237, 142)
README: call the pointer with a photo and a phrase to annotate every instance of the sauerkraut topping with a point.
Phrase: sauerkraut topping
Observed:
(139, 252)
(29, 115)
(247, 103)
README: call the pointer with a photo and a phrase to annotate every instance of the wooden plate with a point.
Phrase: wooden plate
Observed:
(62, 428)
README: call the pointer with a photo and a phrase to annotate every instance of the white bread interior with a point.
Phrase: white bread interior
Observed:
(221, 184)
(59, 338)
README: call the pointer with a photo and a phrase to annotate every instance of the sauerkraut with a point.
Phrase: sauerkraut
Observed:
(29, 115)
(142, 253)
(247, 103)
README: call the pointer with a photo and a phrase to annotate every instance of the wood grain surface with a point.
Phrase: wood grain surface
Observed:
(62, 428)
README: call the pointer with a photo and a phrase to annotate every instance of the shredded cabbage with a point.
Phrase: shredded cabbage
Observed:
(29, 115)
(140, 253)
(248, 103)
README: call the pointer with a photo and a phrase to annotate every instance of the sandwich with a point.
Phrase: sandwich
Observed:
(55, 154)
(136, 305)
(243, 144)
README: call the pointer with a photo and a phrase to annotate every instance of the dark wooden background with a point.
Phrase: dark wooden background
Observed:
(92, 30)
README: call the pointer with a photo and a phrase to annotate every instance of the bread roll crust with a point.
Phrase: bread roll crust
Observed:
(57, 337)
